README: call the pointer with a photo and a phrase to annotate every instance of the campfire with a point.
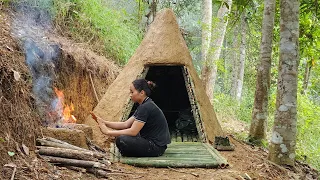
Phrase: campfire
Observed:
(66, 143)
(63, 110)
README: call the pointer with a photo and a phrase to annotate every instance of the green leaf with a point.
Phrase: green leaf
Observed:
(2, 140)
(11, 153)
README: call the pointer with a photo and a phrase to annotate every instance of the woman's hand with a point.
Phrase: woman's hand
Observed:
(101, 123)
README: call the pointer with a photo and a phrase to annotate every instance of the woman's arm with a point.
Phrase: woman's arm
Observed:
(132, 131)
(117, 125)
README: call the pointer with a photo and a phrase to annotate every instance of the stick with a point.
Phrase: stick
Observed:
(74, 162)
(194, 174)
(14, 169)
(70, 153)
(94, 117)
(93, 88)
(13, 173)
(45, 142)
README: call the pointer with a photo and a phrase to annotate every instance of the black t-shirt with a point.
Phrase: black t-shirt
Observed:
(156, 126)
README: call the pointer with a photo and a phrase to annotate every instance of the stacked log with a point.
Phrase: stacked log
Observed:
(64, 154)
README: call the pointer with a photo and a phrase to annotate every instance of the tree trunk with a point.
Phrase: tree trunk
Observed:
(258, 127)
(206, 28)
(235, 63)
(306, 78)
(283, 141)
(209, 70)
(242, 56)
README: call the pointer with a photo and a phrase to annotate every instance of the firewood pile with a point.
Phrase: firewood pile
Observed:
(73, 157)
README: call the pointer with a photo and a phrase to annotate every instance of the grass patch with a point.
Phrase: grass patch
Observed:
(111, 32)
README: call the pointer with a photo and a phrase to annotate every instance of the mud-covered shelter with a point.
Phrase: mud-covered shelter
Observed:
(163, 57)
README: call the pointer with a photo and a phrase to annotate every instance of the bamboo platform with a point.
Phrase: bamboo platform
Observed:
(178, 154)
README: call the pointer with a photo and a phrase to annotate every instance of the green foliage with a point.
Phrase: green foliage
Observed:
(308, 144)
(95, 20)
(10, 153)
(226, 105)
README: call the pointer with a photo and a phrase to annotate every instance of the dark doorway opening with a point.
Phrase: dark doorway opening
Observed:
(173, 99)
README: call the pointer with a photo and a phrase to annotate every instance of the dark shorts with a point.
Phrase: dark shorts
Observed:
(136, 146)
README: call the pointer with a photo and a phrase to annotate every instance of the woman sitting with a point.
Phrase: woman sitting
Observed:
(146, 133)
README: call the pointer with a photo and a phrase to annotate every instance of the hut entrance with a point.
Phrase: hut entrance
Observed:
(173, 95)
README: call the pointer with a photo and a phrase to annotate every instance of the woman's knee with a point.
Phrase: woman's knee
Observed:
(122, 140)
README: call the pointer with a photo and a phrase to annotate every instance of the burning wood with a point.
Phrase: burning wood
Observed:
(63, 109)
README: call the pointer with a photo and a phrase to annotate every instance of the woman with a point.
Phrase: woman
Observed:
(146, 133)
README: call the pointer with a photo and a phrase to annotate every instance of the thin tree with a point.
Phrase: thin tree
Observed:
(209, 70)
(242, 56)
(258, 128)
(283, 141)
(206, 28)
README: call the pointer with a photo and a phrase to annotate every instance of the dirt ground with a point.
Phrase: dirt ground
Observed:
(246, 161)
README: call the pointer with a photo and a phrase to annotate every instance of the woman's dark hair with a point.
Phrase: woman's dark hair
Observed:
(142, 84)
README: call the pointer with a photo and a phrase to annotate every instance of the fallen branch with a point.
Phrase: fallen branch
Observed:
(74, 162)
(194, 174)
(46, 142)
(70, 153)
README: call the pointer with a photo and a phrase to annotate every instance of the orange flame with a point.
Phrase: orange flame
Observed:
(67, 116)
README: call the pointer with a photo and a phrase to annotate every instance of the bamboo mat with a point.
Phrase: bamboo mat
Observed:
(178, 154)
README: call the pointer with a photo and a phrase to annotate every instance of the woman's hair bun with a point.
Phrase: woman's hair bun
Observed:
(151, 85)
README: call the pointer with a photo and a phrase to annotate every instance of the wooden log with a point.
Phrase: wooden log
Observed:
(74, 162)
(70, 153)
(46, 142)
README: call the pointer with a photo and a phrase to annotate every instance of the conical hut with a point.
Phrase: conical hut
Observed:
(162, 57)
